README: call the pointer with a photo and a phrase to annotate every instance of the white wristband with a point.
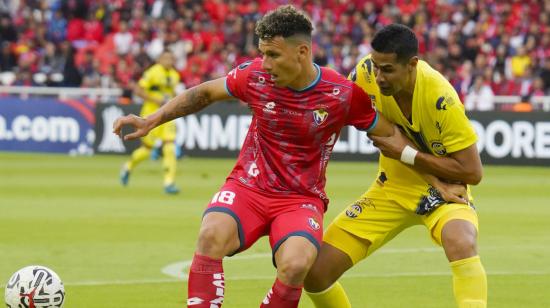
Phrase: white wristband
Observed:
(408, 154)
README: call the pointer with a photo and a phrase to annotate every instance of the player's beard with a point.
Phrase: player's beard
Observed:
(388, 91)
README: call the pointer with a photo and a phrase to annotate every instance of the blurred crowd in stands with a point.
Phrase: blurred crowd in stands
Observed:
(484, 47)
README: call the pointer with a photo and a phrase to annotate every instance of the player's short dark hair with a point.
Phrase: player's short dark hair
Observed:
(398, 39)
(284, 21)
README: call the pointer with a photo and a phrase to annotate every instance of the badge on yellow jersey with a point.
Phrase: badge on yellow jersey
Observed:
(443, 102)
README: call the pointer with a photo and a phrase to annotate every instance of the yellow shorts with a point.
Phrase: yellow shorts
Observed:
(165, 132)
(376, 218)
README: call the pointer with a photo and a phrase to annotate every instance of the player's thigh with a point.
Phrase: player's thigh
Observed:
(218, 235)
(294, 258)
(150, 139)
(436, 221)
(297, 218)
(373, 218)
(332, 261)
(241, 204)
(167, 131)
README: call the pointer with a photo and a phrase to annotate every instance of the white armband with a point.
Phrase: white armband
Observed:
(408, 155)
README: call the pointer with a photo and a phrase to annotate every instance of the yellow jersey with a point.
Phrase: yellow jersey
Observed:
(438, 126)
(158, 82)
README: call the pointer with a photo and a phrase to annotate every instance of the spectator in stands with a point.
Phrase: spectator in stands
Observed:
(8, 61)
(124, 72)
(57, 28)
(180, 48)
(498, 61)
(93, 29)
(545, 75)
(511, 35)
(538, 88)
(75, 29)
(27, 54)
(191, 75)
(24, 78)
(526, 82)
(161, 9)
(51, 64)
(320, 57)
(71, 75)
(233, 32)
(156, 47)
(7, 29)
(520, 62)
(142, 61)
(141, 41)
(123, 39)
(108, 79)
(480, 97)
(89, 70)
(465, 79)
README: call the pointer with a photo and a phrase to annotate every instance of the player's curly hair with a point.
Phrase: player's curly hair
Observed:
(285, 21)
(398, 39)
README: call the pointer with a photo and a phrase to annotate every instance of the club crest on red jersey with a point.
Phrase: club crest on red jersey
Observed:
(320, 116)
(313, 223)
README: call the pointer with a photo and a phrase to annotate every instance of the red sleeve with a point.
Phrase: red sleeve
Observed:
(362, 113)
(235, 82)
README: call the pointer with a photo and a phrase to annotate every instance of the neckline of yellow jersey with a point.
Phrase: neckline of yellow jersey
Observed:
(414, 108)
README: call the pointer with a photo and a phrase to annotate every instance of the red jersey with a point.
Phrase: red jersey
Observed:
(292, 133)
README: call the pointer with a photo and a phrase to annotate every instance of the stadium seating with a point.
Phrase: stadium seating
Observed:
(504, 42)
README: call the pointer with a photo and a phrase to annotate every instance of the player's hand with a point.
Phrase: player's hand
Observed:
(452, 192)
(131, 121)
(391, 146)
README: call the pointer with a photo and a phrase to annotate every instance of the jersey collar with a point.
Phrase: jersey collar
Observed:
(313, 83)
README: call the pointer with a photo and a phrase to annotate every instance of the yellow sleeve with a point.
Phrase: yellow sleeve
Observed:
(148, 78)
(363, 76)
(456, 131)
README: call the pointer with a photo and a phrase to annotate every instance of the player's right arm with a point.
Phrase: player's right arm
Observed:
(382, 127)
(450, 192)
(234, 85)
(188, 102)
(363, 115)
(463, 165)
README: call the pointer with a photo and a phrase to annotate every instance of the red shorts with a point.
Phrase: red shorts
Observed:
(279, 216)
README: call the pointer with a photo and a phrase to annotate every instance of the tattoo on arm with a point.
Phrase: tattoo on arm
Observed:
(192, 101)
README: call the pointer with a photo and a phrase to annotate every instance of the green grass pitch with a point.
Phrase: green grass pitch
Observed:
(111, 244)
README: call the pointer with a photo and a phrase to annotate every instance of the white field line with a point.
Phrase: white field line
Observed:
(271, 277)
(177, 271)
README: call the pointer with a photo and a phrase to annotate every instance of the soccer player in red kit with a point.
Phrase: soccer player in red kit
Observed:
(277, 185)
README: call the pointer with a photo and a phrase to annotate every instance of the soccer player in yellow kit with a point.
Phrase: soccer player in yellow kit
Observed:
(420, 101)
(156, 87)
